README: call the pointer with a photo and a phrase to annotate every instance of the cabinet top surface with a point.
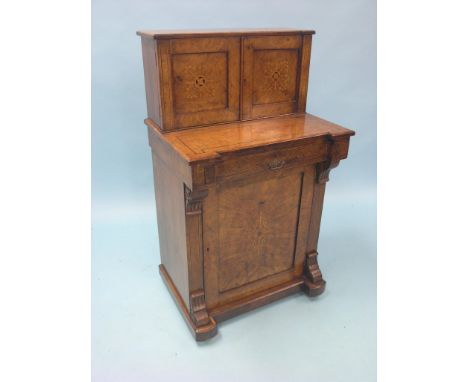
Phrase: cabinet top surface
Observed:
(211, 142)
(220, 32)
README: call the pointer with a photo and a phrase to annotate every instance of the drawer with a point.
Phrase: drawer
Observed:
(274, 160)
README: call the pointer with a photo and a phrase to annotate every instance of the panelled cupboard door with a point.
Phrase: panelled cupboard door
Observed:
(200, 81)
(275, 75)
(255, 233)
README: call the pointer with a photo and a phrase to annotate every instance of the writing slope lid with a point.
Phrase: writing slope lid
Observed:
(210, 142)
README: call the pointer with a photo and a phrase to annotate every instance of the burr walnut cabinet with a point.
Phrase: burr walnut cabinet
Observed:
(239, 168)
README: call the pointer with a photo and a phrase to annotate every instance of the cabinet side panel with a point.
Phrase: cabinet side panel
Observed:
(169, 189)
(152, 83)
(304, 75)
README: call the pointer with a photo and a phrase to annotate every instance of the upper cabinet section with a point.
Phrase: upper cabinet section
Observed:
(206, 77)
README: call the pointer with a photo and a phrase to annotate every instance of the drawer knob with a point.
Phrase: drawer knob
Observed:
(276, 164)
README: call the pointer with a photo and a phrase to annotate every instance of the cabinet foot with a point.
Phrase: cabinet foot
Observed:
(205, 332)
(311, 289)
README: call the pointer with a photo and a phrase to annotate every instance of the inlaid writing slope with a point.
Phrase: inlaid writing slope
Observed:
(239, 168)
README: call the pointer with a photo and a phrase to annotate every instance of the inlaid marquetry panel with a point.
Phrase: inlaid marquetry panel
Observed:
(274, 68)
(200, 82)
(257, 232)
(275, 76)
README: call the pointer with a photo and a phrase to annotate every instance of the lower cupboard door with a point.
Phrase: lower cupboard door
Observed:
(255, 234)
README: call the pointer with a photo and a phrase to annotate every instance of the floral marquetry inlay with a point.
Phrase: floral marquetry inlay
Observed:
(198, 84)
(279, 73)
(275, 73)
(200, 81)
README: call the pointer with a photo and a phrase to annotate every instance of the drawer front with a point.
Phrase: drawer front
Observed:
(275, 160)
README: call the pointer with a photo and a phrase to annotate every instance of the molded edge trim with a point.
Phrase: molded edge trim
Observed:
(256, 300)
(170, 34)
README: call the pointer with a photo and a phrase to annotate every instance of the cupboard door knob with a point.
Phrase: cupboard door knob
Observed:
(276, 164)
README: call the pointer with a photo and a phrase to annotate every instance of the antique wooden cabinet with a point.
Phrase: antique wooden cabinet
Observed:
(239, 168)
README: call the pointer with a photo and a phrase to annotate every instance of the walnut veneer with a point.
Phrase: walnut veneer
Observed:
(239, 168)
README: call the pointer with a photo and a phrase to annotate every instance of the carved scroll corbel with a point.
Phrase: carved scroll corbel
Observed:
(323, 170)
(314, 284)
(193, 201)
(198, 310)
(312, 270)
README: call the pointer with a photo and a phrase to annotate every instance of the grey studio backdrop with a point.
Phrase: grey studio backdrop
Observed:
(137, 332)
